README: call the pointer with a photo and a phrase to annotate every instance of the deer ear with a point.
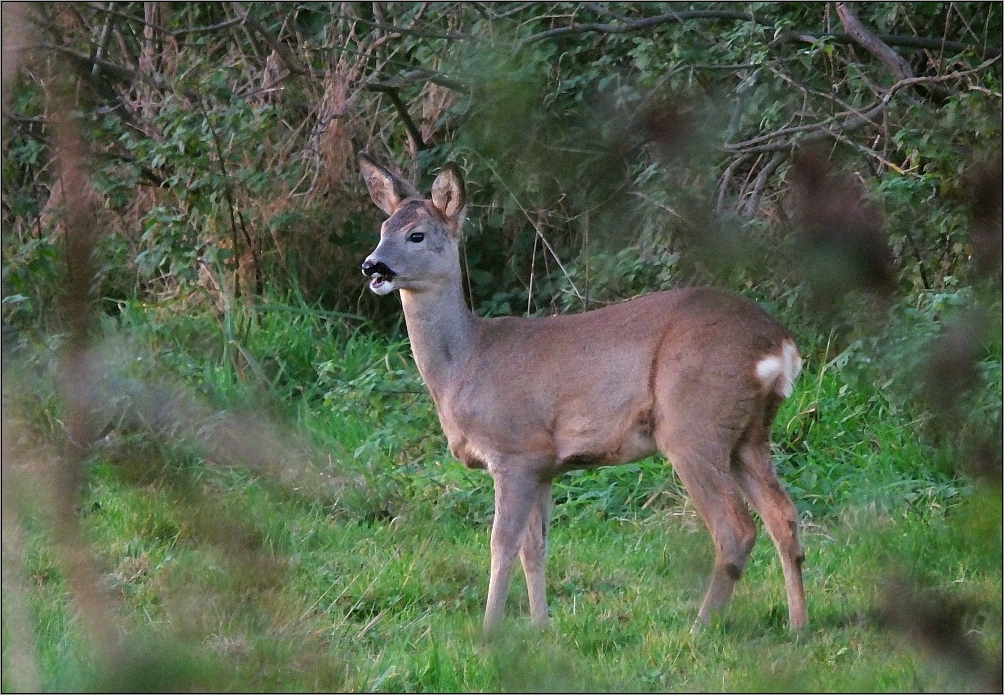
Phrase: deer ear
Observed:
(386, 189)
(448, 193)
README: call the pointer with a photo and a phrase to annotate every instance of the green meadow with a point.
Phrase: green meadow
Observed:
(354, 556)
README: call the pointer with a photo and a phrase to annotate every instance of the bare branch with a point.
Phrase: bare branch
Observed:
(822, 130)
(919, 42)
(290, 62)
(406, 31)
(173, 32)
(415, 76)
(723, 182)
(648, 22)
(872, 43)
(86, 63)
(761, 183)
(643, 23)
(402, 110)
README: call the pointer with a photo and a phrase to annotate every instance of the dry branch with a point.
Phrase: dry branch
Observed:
(173, 32)
(415, 76)
(872, 43)
(628, 25)
(644, 23)
(822, 130)
(408, 31)
(402, 109)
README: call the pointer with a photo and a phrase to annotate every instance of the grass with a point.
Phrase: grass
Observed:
(360, 562)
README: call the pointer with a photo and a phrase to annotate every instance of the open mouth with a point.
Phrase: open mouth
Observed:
(381, 284)
(381, 277)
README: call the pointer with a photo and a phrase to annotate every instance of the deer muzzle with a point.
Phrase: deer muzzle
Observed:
(381, 276)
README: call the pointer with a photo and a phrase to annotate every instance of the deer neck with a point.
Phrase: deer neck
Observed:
(442, 331)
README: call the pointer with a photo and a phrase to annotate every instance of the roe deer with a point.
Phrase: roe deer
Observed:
(697, 374)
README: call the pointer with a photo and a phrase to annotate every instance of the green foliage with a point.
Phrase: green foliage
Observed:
(595, 140)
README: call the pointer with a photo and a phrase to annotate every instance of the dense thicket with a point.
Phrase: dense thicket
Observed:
(609, 147)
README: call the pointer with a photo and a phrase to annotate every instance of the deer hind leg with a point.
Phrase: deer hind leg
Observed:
(515, 497)
(533, 554)
(758, 477)
(719, 501)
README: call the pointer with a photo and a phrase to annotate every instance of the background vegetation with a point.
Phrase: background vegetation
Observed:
(221, 470)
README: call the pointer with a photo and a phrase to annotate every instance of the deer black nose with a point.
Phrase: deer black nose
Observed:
(371, 268)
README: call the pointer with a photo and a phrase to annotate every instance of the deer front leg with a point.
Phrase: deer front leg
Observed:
(515, 495)
(533, 554)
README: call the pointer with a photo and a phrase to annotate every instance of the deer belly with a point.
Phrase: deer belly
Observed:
(584, 442)
(468, 454)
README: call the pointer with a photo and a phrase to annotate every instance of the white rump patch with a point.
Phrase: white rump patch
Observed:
(777, 373)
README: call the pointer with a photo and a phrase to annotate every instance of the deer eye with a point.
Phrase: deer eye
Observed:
(416, 237)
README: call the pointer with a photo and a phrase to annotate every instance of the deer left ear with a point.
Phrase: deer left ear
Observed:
(386, 189)
(448, 193)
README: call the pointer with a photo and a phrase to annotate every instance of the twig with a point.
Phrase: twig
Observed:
(173, 32)
(872, 43)
(102, 44)
(88, 63)
(281, 50)
(761, 183)
(415, 76)
(919, 42)
(231, 207)
(648, 22)
(644, 23)
(536, 228)
(406, 31)
(402, 110)
(723, 183)
(515, 10)
(821, 131)
(547, 245)
(533, 267)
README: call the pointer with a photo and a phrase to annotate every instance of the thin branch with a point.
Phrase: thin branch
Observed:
(934, 79)
(643, 23)
(919, 42)
(761, 183)
(232, 209)
(820, 131)
(536, 227)
(87, 62)
(102, 46)
(750, 145)
(648, 22)
(513, 11)
(415, 76)
(600, 9)
(872, 43)
(402, 110)
(291, 63)
(173, 32)
(449, 35)
(724, 182)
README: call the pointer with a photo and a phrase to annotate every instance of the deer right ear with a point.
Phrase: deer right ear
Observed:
(448, 192)
(386, 189)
